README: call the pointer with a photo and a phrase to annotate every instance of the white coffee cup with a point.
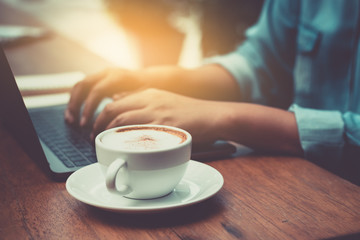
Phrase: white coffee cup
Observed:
(143, 161)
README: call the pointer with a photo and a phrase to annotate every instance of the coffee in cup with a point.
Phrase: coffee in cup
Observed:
(143, 161)
(143, 138)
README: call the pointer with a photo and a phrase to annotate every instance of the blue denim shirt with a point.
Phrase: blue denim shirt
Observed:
(305, 56)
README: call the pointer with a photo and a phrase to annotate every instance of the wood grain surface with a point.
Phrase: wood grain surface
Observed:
(264, 196)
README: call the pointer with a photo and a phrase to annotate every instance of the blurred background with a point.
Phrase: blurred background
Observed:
(141, 33)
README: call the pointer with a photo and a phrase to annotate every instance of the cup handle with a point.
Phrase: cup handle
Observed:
(110, 178)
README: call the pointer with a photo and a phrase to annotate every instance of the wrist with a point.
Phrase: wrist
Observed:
(259, 127)
(162, 77)
(226, 122)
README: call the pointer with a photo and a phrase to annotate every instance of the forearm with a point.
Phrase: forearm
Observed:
(206, 82)
(259, 127)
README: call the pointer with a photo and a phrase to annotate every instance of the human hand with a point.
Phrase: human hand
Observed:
(153, 106)
(93, 89)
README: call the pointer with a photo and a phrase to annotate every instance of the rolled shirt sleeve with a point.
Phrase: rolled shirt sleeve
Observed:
(325, 133)
(321, 132)
(243, 73)
(352, 128)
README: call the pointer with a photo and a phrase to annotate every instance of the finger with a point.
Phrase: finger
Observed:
(78, 95)
(101, 90)
(127, 118)
(130, 118)
(120, 95)
(116, 108)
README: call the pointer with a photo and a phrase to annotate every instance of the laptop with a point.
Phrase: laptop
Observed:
(58, 148)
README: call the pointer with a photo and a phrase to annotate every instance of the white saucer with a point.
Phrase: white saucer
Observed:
(199, 183)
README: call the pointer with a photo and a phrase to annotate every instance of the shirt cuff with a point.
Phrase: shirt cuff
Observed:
(352, 128)
(321, 133)
(240, 69)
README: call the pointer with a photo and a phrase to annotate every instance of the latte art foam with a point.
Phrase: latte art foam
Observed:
(137, 139)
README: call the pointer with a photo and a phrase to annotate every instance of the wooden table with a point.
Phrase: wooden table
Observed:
(264, 197)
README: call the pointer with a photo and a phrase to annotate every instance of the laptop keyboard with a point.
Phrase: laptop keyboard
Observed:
(71, 145)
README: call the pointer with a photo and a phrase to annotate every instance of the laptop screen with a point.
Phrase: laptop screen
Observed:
(15, 117)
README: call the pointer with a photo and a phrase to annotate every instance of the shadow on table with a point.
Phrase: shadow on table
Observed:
(167, 218)
(218, 150)
(352, 236)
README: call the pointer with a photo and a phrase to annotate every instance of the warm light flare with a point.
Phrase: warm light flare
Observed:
(144, 35)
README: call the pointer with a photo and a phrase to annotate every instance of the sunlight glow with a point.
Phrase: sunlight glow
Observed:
(89, 23)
